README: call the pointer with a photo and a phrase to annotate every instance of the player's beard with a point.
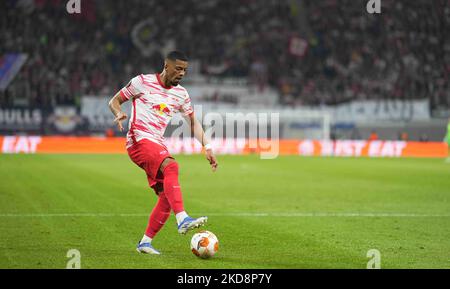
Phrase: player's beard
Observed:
(175, 82)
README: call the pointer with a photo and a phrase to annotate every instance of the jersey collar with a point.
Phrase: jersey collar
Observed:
(161, 83)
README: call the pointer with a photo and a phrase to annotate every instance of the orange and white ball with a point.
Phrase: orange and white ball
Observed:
(204, 244)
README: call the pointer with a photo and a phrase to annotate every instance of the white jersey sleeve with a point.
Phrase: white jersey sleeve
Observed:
(186, 106)
(135, 88)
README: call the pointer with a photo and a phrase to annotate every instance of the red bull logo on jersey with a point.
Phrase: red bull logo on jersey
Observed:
(162, 108)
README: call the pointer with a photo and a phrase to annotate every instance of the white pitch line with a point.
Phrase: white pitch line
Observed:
(275, 214)
(101, 215)
(299, 214)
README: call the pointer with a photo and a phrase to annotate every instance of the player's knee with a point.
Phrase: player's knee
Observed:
(163, 204)
(165, 208)
(158, 188)
(171, 168)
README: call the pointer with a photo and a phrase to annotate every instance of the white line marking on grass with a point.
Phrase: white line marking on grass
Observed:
(298, 214)
(253, 215)
(69, 215)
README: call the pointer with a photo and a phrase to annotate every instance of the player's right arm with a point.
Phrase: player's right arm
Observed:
(115, 107)
(133, 90)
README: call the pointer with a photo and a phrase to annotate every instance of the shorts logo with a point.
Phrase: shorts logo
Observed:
(162, 109)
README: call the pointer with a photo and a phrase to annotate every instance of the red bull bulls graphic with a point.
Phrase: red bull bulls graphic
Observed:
(162, 109)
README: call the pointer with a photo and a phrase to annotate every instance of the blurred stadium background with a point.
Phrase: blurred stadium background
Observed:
(344, 82)
(385, 74)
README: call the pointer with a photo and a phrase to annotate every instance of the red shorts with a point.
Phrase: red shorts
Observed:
(149, 156)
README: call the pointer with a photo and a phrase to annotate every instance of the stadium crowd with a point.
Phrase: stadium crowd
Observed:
(403, 53)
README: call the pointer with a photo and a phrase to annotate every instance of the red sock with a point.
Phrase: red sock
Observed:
(159, 216)
(172, 187)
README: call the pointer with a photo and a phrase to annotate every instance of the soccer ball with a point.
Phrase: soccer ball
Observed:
(204, 244)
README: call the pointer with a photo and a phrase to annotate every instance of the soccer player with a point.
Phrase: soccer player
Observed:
(156, 98)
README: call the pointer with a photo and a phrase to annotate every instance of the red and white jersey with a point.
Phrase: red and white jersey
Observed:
(153, 107)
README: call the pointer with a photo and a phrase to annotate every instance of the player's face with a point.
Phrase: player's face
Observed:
(176, 70)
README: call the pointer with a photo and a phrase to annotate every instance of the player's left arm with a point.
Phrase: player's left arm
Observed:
(199, 134)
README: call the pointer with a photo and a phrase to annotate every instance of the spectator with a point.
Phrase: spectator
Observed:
(345, 54)
(373, 136)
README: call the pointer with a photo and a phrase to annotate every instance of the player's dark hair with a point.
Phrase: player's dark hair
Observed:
(174, 55)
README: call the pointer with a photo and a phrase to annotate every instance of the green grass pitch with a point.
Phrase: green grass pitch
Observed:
(291, 212)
